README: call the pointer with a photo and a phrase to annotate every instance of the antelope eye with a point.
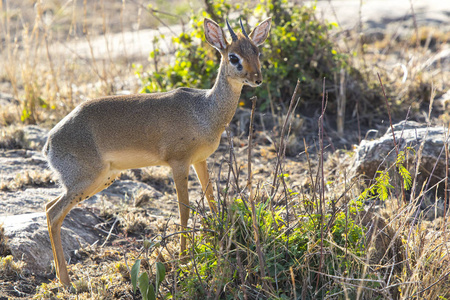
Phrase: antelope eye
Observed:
(233, 59)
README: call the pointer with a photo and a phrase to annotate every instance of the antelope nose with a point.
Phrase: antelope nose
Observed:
(258, 82)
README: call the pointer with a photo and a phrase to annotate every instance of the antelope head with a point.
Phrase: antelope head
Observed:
(241, 56)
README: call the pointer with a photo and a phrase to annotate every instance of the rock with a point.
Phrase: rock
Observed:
(378, 154)
(29, 241)
(129, 188)
(26, 201)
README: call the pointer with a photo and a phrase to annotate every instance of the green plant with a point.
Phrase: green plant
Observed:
(226, 260)
(297, 48)
(404, 173)
(147, 290)
(381, 187)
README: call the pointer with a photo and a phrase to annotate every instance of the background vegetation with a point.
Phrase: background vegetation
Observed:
(297, 48)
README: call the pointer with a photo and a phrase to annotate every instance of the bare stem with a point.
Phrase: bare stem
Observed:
(252, 198)
(393, 134)
(250, 137)
(280, 154)
(322, 182)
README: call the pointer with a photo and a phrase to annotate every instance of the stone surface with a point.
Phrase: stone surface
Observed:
(380, 153)
(29, 241)
(382, 14)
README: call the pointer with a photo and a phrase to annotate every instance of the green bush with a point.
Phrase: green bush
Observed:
(297, 48)
(225, 257)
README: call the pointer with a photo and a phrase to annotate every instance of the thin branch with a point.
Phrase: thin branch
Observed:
(280, 155)
(393, 134)
(250, 137)
(109, 233)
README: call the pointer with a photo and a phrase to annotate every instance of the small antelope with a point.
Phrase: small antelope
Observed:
(100, 138)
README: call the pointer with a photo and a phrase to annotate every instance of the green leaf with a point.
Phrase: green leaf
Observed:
(144, 285)
(160, 274)
(25, 115)
(407, 180)
(134, 274)
(151, 293)
(334, 24)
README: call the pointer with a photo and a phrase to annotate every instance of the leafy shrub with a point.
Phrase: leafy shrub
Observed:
(297, 48)
(381, 186)
(226, 260)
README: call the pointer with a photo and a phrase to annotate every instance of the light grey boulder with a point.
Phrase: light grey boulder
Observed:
(26, 201)
(29, 241)
(380, 153)
(130, 188)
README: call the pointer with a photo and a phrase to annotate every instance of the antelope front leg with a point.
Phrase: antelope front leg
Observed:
(180, 176)
(202, 173)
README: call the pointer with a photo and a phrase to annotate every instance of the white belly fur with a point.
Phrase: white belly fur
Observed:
(132, 159)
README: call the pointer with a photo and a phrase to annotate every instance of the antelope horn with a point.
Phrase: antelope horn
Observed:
(233, 35)
(243, 30)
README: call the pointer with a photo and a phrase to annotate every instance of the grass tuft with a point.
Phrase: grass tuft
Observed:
(9, 267)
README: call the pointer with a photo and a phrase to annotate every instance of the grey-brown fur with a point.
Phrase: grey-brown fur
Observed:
(100, 138)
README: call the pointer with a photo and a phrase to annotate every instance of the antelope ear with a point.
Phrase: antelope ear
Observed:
(215, 35)
(259, 33)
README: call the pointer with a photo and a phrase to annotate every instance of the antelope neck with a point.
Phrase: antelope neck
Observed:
(225, 95)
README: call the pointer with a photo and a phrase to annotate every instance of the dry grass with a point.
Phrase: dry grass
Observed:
(4, 249)
(9, 267)
(28, 178)
(142, 197)
(12, 137)
(412, 75)
(48, 78)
